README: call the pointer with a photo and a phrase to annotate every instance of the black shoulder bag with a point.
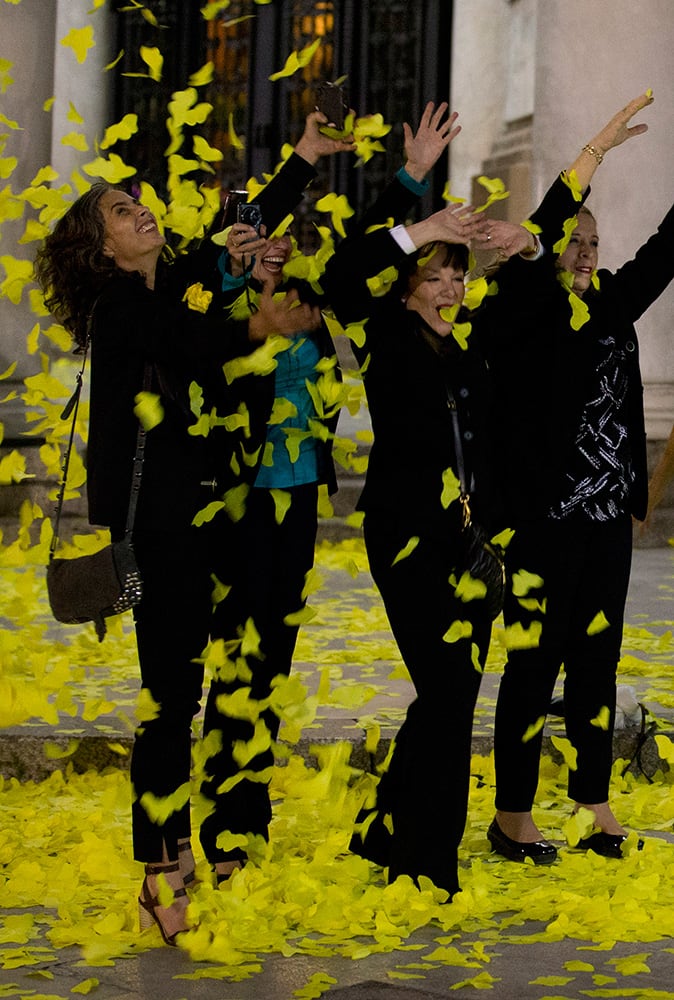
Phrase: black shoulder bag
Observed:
(94, 587)
(481, 558)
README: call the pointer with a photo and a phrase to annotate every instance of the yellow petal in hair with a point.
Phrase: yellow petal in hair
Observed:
(297, 60)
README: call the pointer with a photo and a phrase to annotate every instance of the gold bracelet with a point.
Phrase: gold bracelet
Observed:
(593, 152)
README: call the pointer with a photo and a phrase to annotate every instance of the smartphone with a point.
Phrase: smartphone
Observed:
(250, 214)
(331, 100)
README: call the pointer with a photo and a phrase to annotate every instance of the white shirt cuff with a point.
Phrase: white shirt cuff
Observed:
(403, 239)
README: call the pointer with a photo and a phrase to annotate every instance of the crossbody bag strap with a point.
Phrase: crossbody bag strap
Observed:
(139, 458)
(458, 448)
(72, 406)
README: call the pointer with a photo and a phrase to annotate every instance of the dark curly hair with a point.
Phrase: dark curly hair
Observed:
(71, 267)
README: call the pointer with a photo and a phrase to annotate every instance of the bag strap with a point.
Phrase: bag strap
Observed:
(72, 406)
(139, 458)
(464, 496)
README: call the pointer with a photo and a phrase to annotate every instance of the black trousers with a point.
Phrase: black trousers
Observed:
(425, 789)
(172, 626)
(584, 569)
(264, 563)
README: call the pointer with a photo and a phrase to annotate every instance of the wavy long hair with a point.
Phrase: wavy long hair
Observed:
(71, 267)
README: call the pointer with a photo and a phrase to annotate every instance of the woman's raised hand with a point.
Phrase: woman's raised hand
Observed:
(242, 244)
(424, 147)
(617, 130)
(282, 315)
(313, 143)
(508, 238)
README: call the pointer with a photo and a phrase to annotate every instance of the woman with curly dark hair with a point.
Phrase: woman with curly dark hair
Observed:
(103, 278)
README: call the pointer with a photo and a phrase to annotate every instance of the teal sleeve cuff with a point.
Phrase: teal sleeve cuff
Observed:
(416, 187)
(229, 282)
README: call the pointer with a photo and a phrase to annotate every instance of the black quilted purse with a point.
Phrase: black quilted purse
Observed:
(94, 587)
(481, 558)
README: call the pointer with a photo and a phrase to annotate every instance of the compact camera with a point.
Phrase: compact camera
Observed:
(250, 214)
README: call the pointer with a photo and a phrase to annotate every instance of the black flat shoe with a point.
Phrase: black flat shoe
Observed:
(541, 852)
(609, 845)
(376, 846)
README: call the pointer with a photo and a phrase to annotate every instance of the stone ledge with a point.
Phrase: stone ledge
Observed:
(23, 756)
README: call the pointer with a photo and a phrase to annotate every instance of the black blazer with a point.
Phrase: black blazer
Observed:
(133, 325)
(541, 367)
(407, 369)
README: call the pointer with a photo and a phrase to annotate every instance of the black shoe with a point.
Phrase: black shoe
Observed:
(541, 852)
(609, 845)
(376, 846)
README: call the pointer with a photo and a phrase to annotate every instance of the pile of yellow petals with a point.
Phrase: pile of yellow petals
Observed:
(66, 874)
(67, 880)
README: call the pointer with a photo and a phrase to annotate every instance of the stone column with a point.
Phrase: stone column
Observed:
(42, 69)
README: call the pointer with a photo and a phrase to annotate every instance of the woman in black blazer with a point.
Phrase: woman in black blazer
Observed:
(405, 284)
(569, 432)
(101, 273)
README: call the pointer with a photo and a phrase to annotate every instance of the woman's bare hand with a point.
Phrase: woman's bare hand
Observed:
(424, 147)
(242, 244)
(314, 144)
(284, 316)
